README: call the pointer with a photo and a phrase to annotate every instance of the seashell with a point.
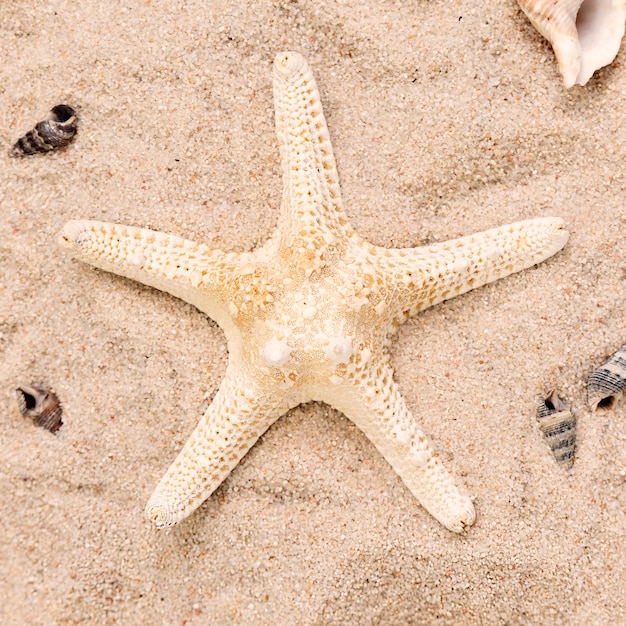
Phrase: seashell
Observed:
(607, 383)
(558, 426)
(585, 34)
(40, 404)
(55, 131)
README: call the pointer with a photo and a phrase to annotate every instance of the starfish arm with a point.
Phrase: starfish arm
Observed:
(417, 278)
(183, 268)
(239, 414)
(311, 198)
(376, 407)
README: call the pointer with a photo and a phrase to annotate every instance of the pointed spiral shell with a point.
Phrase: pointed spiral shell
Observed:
(41, 405)
(607, 383)
(55, 131)
(558, 426)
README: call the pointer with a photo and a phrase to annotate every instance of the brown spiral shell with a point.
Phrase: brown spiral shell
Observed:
(41, 405)
(607, 383)
(55, 131)
(558, 426)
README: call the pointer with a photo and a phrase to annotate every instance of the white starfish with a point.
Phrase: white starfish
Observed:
(310, 315)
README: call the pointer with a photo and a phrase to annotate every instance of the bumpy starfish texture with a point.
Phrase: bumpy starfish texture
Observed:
(310, 315)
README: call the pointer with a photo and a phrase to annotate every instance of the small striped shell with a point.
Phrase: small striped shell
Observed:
(55, 131)
(41, 405)
(607, 383)
(585, 34)
(558, 426)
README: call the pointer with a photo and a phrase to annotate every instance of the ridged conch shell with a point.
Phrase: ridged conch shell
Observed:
(55, 131)
(41, 405)
(607, 383)
(585, 34)
(558, 426)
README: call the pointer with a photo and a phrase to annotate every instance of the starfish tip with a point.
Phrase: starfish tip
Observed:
(288, 62)
(159, 514)
(464, 516)
(70, 235)
(560, 235)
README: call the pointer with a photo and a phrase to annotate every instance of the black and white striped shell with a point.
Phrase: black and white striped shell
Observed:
(558, 426)
(54, 132)
(41, 405)
(607, 383)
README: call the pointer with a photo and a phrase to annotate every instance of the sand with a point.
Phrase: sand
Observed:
(447, 118)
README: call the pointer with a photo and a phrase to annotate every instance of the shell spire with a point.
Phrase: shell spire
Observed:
(585, 34)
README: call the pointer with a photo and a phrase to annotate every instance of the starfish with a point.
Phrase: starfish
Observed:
(309, 315)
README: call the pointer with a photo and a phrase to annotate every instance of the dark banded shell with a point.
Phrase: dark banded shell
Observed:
(558, 426)
(41, 405)
(55, 131)
(607, 383)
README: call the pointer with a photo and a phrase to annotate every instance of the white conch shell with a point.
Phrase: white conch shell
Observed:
(585, 34)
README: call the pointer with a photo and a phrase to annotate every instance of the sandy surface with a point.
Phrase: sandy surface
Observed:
(446, 118)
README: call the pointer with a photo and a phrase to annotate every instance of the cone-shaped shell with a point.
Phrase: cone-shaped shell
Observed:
(41, 405)
(558, 426)
(585, 34)
(607, 383)
(54, 132)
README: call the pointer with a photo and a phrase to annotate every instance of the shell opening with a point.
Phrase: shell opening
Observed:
(600, 27)
(30, 402)
(607, 403)
(62, 113)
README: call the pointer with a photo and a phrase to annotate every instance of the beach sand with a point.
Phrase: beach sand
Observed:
(447, 118)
